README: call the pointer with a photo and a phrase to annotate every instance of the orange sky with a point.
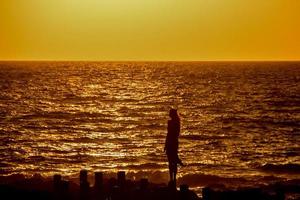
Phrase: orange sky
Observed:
(149, 30)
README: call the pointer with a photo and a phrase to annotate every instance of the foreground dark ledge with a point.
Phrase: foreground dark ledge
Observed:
(120, 188)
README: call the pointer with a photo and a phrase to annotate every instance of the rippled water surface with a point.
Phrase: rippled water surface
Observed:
(238, 119)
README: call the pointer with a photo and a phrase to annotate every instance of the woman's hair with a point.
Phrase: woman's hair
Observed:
(173, 114)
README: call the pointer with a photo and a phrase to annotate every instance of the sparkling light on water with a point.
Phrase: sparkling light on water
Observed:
(236, 117)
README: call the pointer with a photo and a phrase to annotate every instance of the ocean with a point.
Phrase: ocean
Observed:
(240, 121)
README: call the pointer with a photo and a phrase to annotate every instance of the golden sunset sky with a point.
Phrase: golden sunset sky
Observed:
(150, 30)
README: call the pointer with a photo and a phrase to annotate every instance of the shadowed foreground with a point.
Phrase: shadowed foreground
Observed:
(120, 188)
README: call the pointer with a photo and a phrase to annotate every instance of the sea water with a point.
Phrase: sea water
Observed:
(239, 120)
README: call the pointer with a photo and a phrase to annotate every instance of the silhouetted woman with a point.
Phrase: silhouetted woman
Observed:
(171, 145)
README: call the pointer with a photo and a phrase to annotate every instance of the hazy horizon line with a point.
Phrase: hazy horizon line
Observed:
(74, 60)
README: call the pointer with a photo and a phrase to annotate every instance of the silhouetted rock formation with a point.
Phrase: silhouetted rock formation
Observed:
(120, 188)
(278, 191)
(18, 187)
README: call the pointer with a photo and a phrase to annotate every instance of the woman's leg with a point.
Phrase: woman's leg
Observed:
(171, 171)
(174, 172)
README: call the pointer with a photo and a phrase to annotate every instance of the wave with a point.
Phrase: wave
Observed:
(207, 137)
(206, 179)
(282, 168)
(62, 115)
(36, 158)
(146, 166)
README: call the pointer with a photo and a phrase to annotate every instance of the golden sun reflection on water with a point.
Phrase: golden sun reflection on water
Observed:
(106, 118)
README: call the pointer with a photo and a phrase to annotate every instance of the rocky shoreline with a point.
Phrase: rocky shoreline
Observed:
(120, 188)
